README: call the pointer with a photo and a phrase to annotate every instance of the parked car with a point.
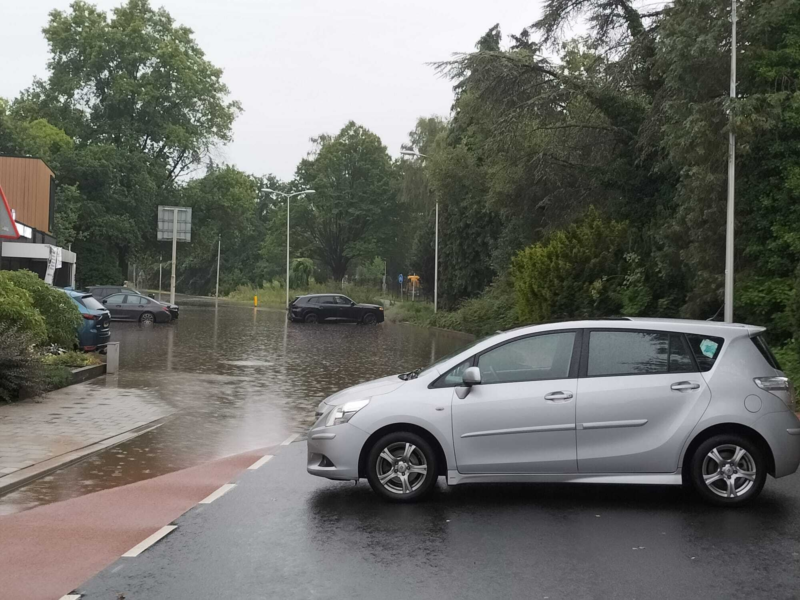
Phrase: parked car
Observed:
(643, 401)
(95, 332)
(135, 307)
(315, 308)
(103, 291)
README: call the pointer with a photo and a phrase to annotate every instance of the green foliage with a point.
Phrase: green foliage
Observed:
(576, 272)
(17, 311)
(19, 364)
(61, 317)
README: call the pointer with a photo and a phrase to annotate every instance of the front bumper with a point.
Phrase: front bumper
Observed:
(333, 452)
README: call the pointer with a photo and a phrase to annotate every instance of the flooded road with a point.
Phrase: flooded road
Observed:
(234, 379)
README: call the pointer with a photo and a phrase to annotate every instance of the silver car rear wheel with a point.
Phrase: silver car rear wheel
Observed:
(729, 471)
(401, 468)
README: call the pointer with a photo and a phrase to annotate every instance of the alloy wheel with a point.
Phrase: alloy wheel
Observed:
(729, 471)
(147, 318)
(401, 468)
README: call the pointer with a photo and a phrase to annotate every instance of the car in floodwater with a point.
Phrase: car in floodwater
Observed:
(639, 401)
(316, 308)
(104, 291)
(135, 307)
(95, 331)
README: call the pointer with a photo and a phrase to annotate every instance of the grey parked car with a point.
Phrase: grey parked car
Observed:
(644, 401)
(135, 307)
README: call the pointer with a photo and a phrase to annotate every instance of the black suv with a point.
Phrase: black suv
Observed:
(316, 308)
(104, 291)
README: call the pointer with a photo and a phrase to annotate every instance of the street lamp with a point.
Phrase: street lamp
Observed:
(731, 178)
(436, 250)
(288, 198)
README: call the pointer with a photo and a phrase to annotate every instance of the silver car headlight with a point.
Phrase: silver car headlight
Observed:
(343, 413)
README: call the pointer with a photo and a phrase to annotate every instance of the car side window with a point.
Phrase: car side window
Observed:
(134, 299)
(680, 358)
(705, 349)
(344, 301)
(532, 358)
(116, 299)
(454, 376)
(627, 353)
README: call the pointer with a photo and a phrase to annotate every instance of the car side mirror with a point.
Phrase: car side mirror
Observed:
(472, 376)
(105, 301)
(352, 303)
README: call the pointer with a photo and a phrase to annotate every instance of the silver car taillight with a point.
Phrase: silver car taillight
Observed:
(777, 385)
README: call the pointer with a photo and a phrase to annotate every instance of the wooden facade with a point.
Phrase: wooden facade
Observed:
(27, 185)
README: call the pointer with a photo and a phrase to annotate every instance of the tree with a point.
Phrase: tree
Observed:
(353, 213)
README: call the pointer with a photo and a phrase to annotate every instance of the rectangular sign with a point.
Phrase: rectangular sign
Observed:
(165, 223)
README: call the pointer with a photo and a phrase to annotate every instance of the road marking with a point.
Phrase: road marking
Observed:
(290, 439)
(144, 545)
(214, 495)
(261, 461)
(71, 597)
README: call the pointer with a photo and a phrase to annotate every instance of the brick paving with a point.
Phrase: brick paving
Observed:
(36, 430)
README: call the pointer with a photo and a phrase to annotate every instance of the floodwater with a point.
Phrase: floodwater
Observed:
(235, 378)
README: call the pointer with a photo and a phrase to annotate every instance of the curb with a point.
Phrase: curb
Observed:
(16, 480)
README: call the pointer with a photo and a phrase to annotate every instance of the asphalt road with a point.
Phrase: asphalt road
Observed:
(281, 533)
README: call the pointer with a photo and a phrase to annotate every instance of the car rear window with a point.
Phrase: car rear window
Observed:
(705, 349)
(90, 303)
(763, 347)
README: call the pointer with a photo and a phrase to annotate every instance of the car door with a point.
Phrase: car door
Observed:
(521, 417)
(347, 311)
(134, 306)
(115, 305)
(330, 309)
(640, 394)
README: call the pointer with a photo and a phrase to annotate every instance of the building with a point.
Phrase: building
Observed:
(29, 187)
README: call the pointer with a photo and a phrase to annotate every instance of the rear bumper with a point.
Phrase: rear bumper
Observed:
(341, 446)
(782, 432)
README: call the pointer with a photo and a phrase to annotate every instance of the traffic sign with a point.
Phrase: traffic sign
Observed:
(8, 228)
(400, 278)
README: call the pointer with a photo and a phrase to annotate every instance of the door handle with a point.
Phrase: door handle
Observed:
(684, 386)
(558, 397)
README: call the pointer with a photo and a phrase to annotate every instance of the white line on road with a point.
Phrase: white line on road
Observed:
(290, 439)
(261, 461)
(142, 546)
(214, 495)
(71, 597)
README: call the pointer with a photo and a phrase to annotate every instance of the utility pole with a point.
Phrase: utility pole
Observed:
(731, 177)
(160, 262)
(436, 251)
(219, 250)
(174, 255)
(288, 198)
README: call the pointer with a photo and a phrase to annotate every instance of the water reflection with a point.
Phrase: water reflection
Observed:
(234, 382)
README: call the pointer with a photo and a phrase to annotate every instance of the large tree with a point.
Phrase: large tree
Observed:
(353, 214)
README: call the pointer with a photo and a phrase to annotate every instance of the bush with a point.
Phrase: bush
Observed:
(20, 366)
(17, 311)
(61, 317)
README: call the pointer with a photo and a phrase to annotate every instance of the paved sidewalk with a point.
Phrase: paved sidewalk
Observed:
(61, 422)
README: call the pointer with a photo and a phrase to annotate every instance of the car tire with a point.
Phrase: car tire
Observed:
(147, 317)
(369, 319)
(728, 470)
(401, 479)
(311, 318)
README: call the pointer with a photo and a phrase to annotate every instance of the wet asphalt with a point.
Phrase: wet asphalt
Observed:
(281, 533)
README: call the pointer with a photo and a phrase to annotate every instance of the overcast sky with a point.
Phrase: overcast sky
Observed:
(303, 67)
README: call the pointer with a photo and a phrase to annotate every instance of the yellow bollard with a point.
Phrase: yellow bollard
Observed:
(255, 300)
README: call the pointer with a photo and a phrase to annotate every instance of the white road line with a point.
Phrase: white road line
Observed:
(261, 461)
(71, 597)
(290, 439)
(142, 546)
(214, 495)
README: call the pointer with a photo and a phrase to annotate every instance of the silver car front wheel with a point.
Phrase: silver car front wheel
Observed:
(402, 467)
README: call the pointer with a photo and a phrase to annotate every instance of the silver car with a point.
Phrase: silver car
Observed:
(644, 401)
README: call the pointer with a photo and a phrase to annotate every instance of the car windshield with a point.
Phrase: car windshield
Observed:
(90, 302)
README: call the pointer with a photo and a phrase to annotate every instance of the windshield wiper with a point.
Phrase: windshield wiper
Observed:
(410, 375)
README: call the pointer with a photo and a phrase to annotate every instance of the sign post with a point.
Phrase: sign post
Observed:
(400, 279)
(174, 224)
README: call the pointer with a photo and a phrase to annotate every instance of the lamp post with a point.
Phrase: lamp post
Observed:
(288, 198)
(436, 246)
(731, 178)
